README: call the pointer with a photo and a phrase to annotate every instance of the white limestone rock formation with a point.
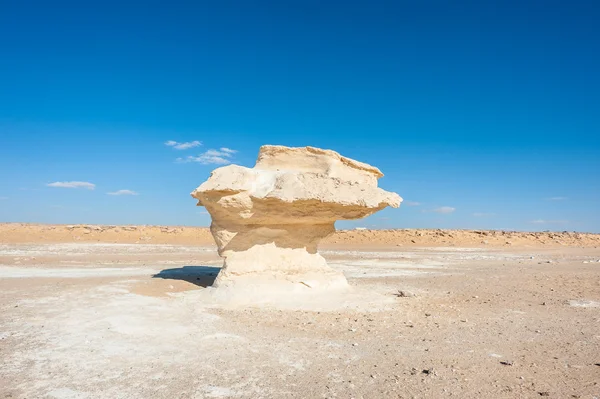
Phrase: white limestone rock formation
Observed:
(268, 220)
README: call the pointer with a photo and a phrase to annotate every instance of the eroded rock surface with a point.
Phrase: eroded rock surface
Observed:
(268, 220)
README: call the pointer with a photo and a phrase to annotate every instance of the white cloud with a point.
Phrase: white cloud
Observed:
(123, 192)
(542, 221)
(216, 153)
(216, 157)
(72, 184)
(556, 199)
(183, 146)
(483, 214)
(444, 209)
(411, 203)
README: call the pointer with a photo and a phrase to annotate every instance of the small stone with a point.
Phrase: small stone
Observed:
(355, 344)
(545, 393)
(506, 362)
(404, 294)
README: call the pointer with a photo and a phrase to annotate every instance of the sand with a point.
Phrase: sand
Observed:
(29, 233)
(85, 312)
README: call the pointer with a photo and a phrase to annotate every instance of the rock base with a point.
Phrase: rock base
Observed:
(269, 264)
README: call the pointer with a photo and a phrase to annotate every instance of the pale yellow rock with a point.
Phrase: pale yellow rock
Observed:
(268, 220)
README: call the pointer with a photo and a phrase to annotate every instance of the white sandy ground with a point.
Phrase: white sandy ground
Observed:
(91, 321)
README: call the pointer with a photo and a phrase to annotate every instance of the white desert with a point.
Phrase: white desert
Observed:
(286, 307)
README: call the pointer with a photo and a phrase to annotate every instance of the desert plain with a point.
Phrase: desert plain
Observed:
(92, 311)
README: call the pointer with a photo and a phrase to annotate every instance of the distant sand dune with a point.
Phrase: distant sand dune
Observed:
(40, 233)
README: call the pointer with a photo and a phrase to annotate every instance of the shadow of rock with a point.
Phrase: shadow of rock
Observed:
(203, 276)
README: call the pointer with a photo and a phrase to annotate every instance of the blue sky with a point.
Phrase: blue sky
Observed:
(480, 114)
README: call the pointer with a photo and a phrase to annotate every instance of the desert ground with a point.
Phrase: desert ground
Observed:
(128, 312)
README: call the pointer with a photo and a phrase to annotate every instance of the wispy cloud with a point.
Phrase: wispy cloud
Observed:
(411, 203)
(444, 209)
(3, 198)
(72, 184)
(123, 192)
(542, 221)
(183, 146)
(228, 150)
(221, 156)
(556, 199)
(483, 214)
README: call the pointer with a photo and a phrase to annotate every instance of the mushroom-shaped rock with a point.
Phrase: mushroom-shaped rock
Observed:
(268, 220)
